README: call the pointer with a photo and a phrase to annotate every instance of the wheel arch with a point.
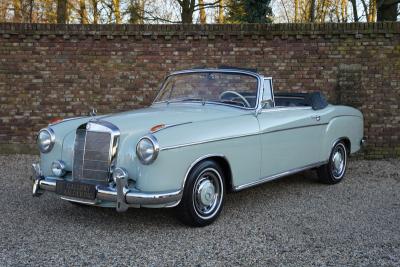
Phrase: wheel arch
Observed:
(346, 142)
(221, 160)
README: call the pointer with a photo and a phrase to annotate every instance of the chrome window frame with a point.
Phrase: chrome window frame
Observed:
(233, 71)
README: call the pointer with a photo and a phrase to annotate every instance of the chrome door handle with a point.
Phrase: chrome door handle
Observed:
(316, 117)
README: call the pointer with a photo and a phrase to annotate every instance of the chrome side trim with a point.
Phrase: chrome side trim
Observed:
(170, 126)
(237, 136)
(292, 128)
(67, 119)
(207, 141)
(279, 108)
(279, 175)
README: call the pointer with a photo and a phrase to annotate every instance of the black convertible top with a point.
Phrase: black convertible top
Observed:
(316, 100)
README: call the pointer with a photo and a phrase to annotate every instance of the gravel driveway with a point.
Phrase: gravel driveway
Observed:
(293, 221)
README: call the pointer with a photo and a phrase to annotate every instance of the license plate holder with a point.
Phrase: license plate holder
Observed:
(76, 190)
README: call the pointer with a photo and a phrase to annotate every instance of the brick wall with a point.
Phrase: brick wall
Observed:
(49, 71)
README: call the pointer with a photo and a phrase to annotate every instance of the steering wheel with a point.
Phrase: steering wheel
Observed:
(237, 94)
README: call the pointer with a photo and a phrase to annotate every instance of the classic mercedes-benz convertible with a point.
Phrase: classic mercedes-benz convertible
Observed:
(208, 132)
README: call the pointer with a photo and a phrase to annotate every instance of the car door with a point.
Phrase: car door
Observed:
(291, 137)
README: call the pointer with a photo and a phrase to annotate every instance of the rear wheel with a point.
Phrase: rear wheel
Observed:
(334, 171)
(203, 195)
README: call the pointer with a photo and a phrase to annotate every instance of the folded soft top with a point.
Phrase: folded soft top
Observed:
(316, 100)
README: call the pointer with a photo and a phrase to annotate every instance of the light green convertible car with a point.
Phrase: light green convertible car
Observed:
(208, 132)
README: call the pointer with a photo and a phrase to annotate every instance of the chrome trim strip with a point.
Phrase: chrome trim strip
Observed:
(292, 128)
(170, 126)
(203, 103)
(78, 200)
(207, 141)
(67, 119)
(276, 176)
(282, 108)
(214, 70)
(237, 136)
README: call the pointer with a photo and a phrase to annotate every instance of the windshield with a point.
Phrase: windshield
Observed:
(219, 87)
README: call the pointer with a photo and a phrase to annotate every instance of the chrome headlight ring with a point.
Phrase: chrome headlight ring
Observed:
(147, 149)
(45, 140)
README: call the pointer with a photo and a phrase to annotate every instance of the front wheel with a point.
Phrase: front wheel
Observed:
(203, 195)
(333, 172)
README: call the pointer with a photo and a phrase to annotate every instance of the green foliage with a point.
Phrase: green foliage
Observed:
(249, 11)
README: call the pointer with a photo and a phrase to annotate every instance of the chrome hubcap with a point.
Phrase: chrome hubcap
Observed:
(207, 193)
(338, 162)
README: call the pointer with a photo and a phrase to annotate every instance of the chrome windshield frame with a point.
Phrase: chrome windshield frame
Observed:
(231, 71)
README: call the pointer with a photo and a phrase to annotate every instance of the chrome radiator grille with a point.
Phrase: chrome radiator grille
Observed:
(92, 154)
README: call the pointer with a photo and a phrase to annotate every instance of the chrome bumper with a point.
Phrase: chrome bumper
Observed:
(121, 195)
(363, 142)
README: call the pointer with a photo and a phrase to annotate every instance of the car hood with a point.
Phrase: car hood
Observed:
(135, 124)
(173, 114)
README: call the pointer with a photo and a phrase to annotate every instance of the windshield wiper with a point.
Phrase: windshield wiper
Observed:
(193, 99)
(187, 99)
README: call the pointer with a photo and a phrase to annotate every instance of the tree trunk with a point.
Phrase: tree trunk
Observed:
(95, 12)
(344, 10)
(17, 11)
(83, 12)
(387, 10)
(62, 11)
(296, 11)
(187, 10)
(31, 3)
(372, 11)
(221, 11)
(355, 12)
(117, 12)
(142, 6)
(312, 11)
(203, 18)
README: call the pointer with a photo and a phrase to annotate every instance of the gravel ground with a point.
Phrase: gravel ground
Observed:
(293, 221)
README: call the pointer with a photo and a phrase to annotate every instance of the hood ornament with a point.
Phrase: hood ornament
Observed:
(93, 112)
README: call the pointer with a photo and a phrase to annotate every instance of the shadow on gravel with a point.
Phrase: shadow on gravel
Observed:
(134, 218)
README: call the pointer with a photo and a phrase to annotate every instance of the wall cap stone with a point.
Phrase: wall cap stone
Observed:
(196, 31)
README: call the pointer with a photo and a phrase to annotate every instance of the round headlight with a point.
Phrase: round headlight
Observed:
(58, 168)
(147, 149)
(45, 140)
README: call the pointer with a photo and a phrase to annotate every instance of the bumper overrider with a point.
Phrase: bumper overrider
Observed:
(121, 195)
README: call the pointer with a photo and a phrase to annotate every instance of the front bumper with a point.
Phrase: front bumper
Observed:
(119, 196)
